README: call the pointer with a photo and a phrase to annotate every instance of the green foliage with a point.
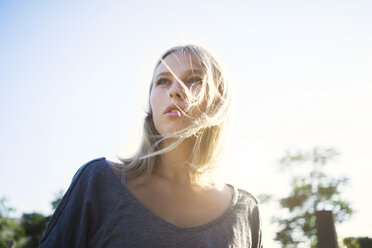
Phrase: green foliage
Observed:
(351, 243)
(34, 225)
(365, 242)
(310, 191)
(25, 232)
(360, 242)
(11, 232)
(264, 198)
(57, 200)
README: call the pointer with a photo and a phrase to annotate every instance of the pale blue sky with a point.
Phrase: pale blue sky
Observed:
(74, 79)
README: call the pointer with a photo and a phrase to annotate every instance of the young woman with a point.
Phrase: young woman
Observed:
(164, 196)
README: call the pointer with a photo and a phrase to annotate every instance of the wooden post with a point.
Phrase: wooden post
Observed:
(326, 232)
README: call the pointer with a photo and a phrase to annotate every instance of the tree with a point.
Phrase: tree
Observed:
(351, 243)
(34, 225)
(58, 197)
(364, 242)
(357, 242)
(25, 232)
(10, 231)
(311, 190)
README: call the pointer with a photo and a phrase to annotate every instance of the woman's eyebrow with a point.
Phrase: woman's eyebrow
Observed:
(193, 72)
(187, 72)
(164, 73)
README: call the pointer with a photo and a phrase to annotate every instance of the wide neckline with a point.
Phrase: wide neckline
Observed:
(143, 208)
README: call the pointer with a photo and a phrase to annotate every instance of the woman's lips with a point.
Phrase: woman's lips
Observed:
(173, 111)
(176, 113)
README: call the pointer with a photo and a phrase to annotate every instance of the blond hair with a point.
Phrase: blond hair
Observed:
(208, 128)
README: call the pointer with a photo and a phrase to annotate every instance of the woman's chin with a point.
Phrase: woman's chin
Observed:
(171, 129)
(170, 132)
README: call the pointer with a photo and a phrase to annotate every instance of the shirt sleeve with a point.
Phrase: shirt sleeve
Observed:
(70, 225)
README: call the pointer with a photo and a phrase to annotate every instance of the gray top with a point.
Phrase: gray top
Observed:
(99, 211)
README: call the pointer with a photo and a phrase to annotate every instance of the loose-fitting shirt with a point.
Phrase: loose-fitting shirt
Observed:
(99, 211)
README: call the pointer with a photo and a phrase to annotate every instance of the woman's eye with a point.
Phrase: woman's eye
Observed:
(195, 80)
(162, 81)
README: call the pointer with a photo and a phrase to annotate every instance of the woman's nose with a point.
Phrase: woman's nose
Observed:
(176, 90)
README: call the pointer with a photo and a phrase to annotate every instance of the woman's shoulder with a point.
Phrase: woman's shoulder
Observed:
(247, 204)
(246, 195)
(92, 169)
(243, 198)
(85, 205)
(95, 176)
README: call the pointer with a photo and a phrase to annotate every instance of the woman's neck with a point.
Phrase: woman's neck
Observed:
(172, 165)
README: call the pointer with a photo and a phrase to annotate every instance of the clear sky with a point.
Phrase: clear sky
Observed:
(74, 78)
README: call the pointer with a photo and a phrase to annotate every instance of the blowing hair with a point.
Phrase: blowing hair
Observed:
(207, 129)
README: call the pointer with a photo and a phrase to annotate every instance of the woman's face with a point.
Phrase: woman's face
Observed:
(168, 97)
